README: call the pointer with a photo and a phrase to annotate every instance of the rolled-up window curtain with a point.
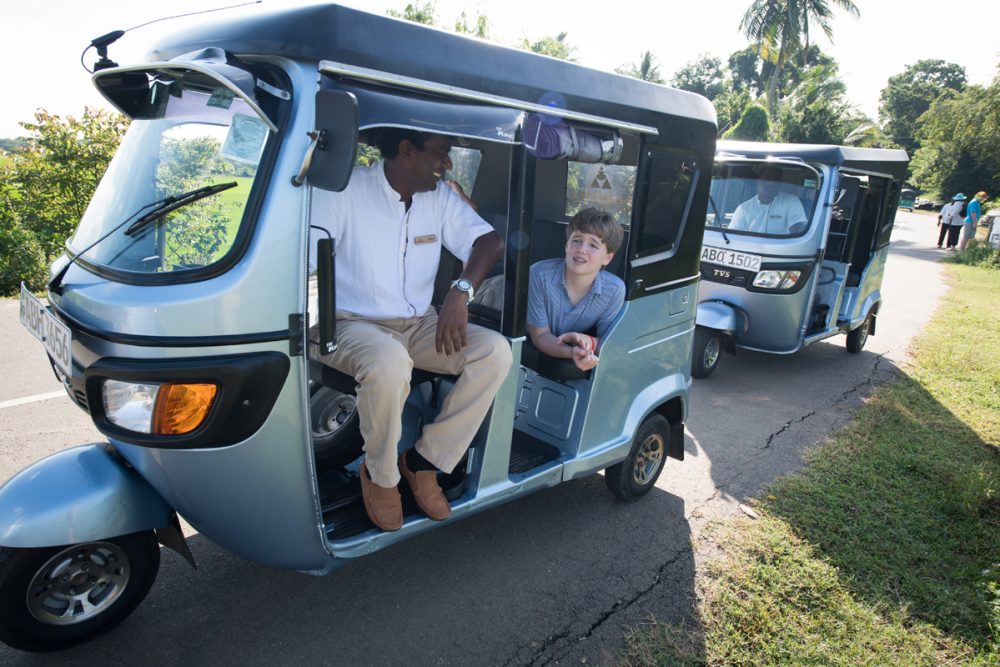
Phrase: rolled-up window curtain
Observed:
(550, 138)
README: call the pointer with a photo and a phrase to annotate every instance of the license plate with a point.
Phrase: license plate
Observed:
(736, 260)
(43, 325)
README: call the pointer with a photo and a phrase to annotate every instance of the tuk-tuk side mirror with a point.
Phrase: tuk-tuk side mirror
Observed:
(330, 158)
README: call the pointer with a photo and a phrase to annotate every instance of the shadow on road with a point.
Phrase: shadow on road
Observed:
(551, 577)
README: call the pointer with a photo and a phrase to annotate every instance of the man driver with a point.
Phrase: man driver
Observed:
(770, 211)
(389, 225)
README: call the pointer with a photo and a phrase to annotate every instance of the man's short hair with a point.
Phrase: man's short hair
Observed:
(387, 140)
(770, 169)
(601, 224)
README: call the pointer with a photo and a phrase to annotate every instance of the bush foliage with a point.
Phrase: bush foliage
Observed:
(45, 186)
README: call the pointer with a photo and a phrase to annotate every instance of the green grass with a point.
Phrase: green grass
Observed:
(885, 548)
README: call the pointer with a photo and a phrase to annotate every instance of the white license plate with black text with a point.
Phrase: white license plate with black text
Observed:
(43, 325)
(730, 258)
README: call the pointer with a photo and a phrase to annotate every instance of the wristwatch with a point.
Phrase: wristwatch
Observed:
(463, 285)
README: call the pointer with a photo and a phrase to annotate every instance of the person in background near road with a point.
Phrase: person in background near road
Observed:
(390, 224)
(973, 212)
(943, 225)
(953, 217)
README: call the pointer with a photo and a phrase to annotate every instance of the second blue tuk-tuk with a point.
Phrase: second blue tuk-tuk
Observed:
(796, 239)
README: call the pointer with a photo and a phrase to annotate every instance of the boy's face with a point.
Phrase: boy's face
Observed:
(586, 253)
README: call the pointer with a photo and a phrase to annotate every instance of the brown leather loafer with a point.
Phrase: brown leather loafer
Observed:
(426, 491)
(384, 506)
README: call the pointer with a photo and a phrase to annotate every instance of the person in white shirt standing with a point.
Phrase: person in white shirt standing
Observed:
(770, 211)
(389, 225)
(953, 217)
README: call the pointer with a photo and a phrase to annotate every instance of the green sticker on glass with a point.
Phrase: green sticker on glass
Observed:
(222, 98)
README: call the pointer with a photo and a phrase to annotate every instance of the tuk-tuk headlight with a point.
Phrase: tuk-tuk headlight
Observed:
(158, 409)
(790, 279)
(771, 279)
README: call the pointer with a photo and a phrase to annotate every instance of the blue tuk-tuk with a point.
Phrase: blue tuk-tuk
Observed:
(179, 317)
(796, 239)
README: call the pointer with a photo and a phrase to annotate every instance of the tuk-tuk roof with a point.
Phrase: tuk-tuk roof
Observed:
(889, 161)
(350, 36)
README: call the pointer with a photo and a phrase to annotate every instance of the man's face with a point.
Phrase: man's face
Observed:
(427, 166)
(768, 182)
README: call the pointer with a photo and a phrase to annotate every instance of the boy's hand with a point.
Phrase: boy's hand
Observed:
(577, 340)
(584, 359)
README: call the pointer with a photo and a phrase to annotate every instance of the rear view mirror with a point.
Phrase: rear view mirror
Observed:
(330, 158)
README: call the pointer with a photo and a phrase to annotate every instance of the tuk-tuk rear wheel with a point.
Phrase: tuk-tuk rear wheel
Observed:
(52, 598)
(856, 338)
(637, 474)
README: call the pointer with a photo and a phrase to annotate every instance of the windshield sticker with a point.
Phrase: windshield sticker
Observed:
(221, 97)
(809, 183)
(245, 139)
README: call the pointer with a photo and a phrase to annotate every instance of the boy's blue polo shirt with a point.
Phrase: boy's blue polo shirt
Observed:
(549, 304)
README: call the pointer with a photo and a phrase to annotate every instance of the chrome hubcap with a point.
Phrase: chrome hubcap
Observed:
(648, 459)
(78, 583)
(335, 413)
(712, 350)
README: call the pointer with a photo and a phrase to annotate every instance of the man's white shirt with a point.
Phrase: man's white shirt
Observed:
(773, 218)
(387, 257)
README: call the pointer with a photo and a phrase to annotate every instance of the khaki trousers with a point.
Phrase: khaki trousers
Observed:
(380, 354)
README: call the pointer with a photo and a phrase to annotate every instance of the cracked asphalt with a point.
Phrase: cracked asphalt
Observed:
(553, 578)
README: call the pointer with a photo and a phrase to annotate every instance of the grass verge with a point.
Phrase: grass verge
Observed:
(885, 548)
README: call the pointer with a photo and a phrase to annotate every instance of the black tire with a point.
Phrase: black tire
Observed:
(56, 597)
(856, 338)
(336, 433)
(637, 474)
(707, 352)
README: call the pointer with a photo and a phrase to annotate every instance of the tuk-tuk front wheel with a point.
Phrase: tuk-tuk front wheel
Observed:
(52, 598)
(336, 432)
(707, 352)
(856, 338)
(637, 474)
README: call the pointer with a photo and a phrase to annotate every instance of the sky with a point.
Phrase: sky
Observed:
(42, 41)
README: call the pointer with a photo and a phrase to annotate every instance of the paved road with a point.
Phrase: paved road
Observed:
(552, 578)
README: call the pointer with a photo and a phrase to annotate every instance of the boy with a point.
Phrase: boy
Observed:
(573, 295)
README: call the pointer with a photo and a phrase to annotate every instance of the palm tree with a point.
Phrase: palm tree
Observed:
(779, 29)
(647, 69)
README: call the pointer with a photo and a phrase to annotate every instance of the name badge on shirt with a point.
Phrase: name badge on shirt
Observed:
(426, 238)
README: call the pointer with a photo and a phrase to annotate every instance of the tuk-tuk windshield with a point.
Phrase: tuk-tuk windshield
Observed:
(763, 198)
(191, 139)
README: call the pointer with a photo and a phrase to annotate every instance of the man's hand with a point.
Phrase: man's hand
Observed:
(453, 323)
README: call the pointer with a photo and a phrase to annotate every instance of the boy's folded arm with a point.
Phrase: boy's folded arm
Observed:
(546, 343)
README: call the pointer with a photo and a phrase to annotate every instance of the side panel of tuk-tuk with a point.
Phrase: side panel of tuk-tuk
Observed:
(256, 495)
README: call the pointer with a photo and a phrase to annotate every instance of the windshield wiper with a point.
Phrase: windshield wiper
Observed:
(718, 219)
(174, 202)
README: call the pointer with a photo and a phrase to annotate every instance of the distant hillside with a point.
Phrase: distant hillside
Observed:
(8, 145)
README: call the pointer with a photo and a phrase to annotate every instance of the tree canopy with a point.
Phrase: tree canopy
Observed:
(779, 32)
(960, 142)
(909, 94)
(704, 76)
